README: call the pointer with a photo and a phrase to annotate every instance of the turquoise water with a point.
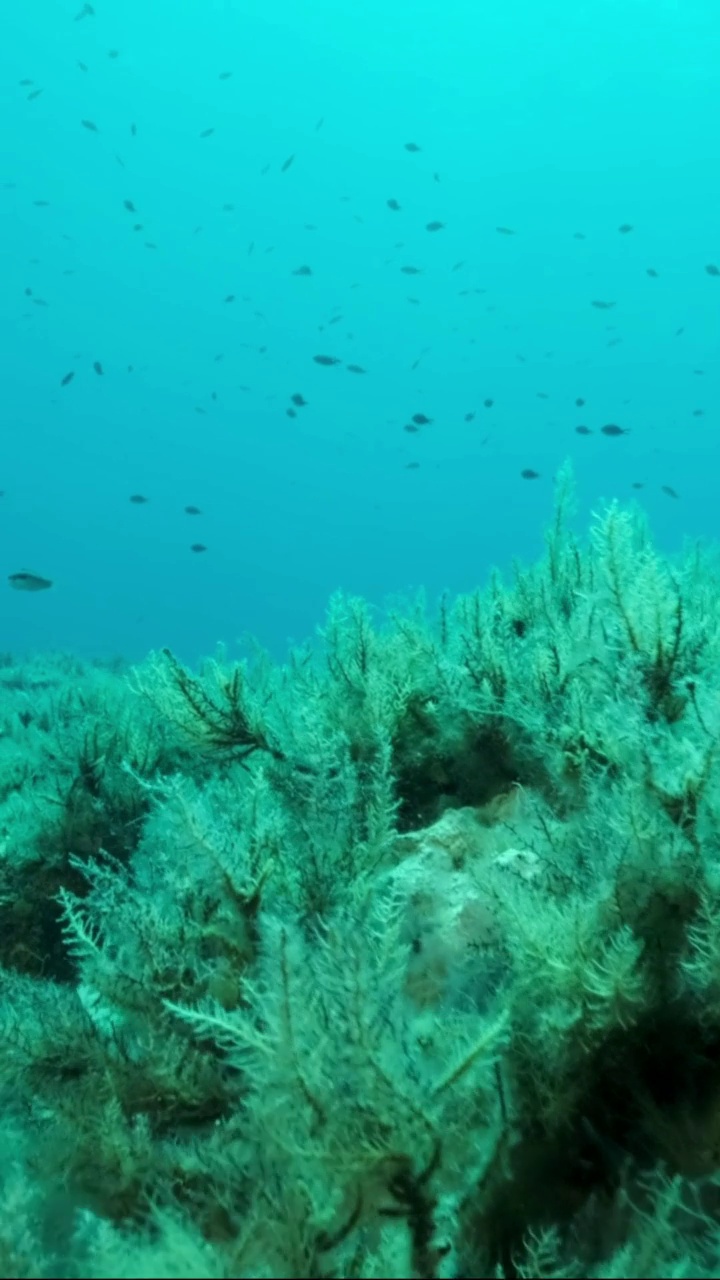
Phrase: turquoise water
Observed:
(400, 962)
(561, 123)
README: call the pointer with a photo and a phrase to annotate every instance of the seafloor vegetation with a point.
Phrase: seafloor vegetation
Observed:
(401, 959)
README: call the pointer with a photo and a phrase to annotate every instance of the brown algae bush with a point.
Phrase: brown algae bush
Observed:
(401, 959)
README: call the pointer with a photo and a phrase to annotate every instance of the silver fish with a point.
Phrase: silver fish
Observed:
(29, 582)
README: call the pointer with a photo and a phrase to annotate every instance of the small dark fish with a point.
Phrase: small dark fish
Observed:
(488, 404)
(394, 205)
(666, 488)
(579, 235)
(412, 466)
(229, 298)
(24, 83)
(87, 11)
(650, 271)
(505, 231)
(113, 53)
(303, 271)
(150, 244)
(90, 124)
(138, 498)
(638, 484)
(35, 93)
(320, 123)
(98, 368)
(198, 547)
(291, 413)
(421, 420)
(207, 133)
(41, 204)
(228, 208)
(542, 395)
(29, 582)
(298, 399)
(469, 417)
(193, 511)
(698, 413)
(602, 306)
(712, 270)
(583, 431)
(435, 226)
(83, 65)
(327, 360)
(410, 426)
(528, 474)
(128, 204)
(612, 429)
(625, 228)
(412, 146)
(286, 165)
(225, 75)
(579, 402)
(356, 368)
(65, 382)
(411, 271)
(133, 130)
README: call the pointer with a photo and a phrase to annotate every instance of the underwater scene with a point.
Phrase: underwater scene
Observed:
(360, 639)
